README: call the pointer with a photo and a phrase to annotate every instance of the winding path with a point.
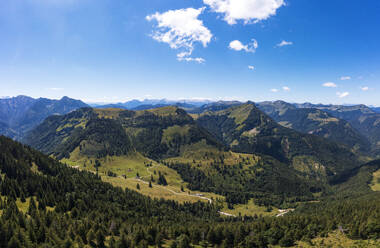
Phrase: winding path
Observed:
(176, 193)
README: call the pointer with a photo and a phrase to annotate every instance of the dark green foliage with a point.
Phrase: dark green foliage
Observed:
(20, 114)
(111, 174)
(362, 118)
(60, 135)
(269, 182)
(162, 180)
(317, 122)
(257, 133)
(95, 204)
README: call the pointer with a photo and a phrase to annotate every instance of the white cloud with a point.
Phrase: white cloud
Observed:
(286, 88)
(181, 29)
(249, 48)
(284, 43)
(247, 10)
(185, 56)
(364, 88)
(345, 78)
(274, 90)
(251, 67)
(329, 85)
(342, 94)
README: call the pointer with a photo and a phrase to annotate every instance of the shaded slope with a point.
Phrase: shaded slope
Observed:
(365, 120)
(155, 133)
(246, 129)
(23, 113)
(317, 122)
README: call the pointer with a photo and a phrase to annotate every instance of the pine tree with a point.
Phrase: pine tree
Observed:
(100, 239)
(174, 244)
(184, 241)
(123, 242)
(14, 242)
(32, 206)
(90, 236)
(162, 180)
(159, 240)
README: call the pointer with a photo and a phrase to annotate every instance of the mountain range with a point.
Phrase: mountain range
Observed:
(20, 114)
(361, 117)
(285, 163)
(135, 177)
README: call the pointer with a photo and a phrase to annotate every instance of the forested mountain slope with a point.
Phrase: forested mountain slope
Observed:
(156, 133)
(46, 204)
(170, 135)
(21, 114)
(244, 128)
(361, 117)
(317, 122)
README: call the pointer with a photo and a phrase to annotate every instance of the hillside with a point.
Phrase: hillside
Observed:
(125, 142)
(244, 128)
(365, 120)
(21, 114)
(44, 203)
(214, 106)
(53, 192)
(268, 163)
(317, 122)
(156, 133)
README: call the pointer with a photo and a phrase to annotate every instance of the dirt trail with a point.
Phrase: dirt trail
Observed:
(176, 193)
(170, 190)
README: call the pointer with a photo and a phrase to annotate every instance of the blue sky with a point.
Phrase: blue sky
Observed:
(111, 51)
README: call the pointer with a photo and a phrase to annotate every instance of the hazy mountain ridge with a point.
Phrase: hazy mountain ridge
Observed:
(361, 117)
(153, 103)
(355, 126)
(317, 122)
(23, 113)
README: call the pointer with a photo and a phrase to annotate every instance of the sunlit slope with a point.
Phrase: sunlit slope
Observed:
(317, 122)
(244, 128)
(156, 134)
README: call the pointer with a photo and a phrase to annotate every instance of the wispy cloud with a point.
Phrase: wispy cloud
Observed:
(181, 29)
(329, 85)
(345, 78)
(274, 90)
(285, 88)
(250, 11)
(364, 88)
(249, 48)
(284, 43)
(251, 67)
(342, 94)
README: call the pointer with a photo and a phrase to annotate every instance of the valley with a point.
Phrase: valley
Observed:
(229, 158)
(189, 124)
